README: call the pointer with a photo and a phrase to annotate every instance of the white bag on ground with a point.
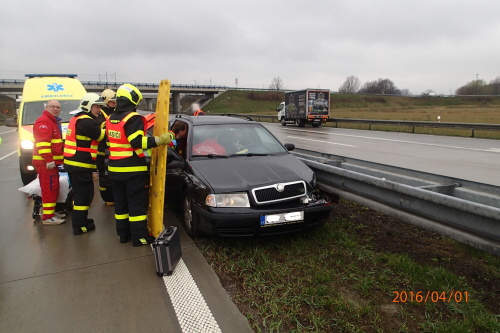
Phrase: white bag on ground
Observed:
(34, 188)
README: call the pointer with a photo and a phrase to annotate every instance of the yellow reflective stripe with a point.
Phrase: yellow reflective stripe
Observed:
(144, 142)
(137, 218)
(103, 133)
(139, 151)
(48, 204)
(36, 157)
(56, 140)
(101, 153)
(44, 151)
(120, 153)
(42, 144)
(102, 188)
(119, 145)
(82, 137)
(135, 135)
(68, 150)
(121, 216)
(128, 169)
(80, 207)
(79, 164)
(58, 157)
(48, 211)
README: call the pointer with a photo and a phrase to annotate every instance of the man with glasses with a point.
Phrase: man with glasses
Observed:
(47, 155)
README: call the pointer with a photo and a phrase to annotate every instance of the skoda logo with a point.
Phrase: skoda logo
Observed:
(280, 187)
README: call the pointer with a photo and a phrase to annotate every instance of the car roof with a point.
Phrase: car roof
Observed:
(215, 120)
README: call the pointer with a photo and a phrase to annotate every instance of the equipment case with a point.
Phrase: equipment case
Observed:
(167, 251)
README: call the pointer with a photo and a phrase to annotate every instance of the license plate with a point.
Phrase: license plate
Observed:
(283, 218)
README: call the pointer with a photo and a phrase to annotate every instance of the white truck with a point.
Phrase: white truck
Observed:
(310, 106)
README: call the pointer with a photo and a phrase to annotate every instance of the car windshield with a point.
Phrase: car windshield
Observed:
(234, 140)
(33, 110)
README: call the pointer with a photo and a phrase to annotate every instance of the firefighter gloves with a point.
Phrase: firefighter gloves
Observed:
(51, 165)
(163, 139)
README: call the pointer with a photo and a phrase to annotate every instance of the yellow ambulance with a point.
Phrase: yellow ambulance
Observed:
(37, 91)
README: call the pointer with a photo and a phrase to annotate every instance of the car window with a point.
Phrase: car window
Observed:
(234, 139)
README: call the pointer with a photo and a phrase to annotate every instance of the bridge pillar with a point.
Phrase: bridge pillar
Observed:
(151, 103)
(176, 103)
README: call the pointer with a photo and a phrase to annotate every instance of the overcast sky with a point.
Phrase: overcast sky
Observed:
(419, 45)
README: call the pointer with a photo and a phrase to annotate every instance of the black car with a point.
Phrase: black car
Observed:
(235, 178)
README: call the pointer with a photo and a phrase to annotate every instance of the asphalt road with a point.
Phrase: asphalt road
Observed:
(471, 159)
(53, 281)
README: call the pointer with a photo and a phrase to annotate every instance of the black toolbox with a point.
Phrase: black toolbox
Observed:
(167, 251)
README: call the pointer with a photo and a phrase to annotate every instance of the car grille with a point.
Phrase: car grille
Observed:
(279, 192)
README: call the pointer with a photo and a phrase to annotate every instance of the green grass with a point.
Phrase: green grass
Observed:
(331, 279)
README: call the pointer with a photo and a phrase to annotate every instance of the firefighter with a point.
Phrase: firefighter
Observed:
(128, 169)
(109, 97)
(196, 110)
(47, 155)
(80, 153)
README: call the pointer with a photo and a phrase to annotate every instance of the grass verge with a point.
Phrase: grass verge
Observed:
(360, 272)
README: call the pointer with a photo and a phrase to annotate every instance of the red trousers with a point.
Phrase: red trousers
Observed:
(49, 183)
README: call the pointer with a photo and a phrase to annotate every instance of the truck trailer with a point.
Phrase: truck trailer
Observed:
(310, 106)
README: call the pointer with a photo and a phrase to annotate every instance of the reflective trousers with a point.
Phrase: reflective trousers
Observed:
(83, 194)
(49, 184)
(131, 206)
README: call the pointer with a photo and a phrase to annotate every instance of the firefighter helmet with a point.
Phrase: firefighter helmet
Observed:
(108, 95)
(87, 101)
(129, 92)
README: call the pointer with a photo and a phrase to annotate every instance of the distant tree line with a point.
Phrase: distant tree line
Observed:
(480, 87)
(352, 85)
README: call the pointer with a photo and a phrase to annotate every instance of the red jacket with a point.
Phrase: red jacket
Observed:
(48, 140)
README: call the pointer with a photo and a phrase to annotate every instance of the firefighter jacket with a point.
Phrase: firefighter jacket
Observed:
(101, 120)
(82, 139)
(48, 140)
(127, 143)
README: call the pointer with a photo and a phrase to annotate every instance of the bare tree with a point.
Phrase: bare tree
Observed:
(381, 86)
(277, 84)
(495, 86)
(476, 87)
(350, 86)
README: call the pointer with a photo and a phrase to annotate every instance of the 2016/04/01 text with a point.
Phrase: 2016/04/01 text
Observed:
(430, 296)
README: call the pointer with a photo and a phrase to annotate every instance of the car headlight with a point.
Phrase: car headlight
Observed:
(27, 144)
(228, 200)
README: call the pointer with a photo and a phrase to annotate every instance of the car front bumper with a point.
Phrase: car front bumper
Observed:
(230, 222)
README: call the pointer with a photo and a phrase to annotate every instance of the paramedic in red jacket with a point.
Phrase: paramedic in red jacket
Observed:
(47, 155)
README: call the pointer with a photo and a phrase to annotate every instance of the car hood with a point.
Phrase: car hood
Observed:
(242, 173)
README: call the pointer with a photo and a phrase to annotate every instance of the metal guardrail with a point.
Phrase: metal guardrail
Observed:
(466, 211)
(413, 124)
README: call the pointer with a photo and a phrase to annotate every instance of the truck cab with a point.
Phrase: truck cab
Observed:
(37, 91)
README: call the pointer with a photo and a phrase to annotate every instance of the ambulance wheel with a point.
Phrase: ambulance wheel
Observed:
(190, 220)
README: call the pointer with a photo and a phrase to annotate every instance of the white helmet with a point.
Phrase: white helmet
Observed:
(87, 101)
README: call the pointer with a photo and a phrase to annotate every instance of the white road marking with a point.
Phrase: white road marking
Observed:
(491, 150)
(192, 311)
(331, 143)
(7, 132)
(1, 158)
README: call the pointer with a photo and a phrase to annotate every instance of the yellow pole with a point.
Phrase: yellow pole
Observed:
(158, 166)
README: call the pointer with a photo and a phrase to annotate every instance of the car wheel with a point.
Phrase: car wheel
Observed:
(190, 221)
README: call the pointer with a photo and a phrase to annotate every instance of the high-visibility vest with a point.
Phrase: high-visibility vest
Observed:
(119, 144)
(82, 143)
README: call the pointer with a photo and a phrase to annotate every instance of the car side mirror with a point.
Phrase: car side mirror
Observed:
(289, 146)
(10, 122)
